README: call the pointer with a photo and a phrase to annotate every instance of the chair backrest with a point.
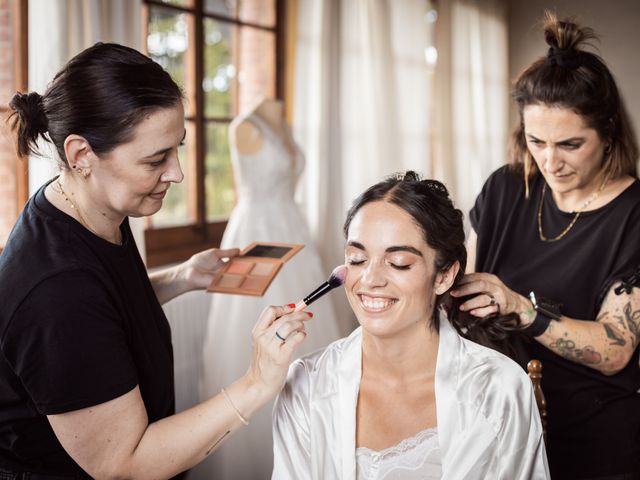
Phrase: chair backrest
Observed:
(534, 367)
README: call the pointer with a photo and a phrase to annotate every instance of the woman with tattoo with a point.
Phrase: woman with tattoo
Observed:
(554, 233)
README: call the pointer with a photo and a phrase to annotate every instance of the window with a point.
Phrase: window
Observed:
(224, 54)
(13, 77)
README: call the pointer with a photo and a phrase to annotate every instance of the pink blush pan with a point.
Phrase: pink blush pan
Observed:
(239, 267)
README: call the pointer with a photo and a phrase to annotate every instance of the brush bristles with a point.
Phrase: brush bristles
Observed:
(338, 276)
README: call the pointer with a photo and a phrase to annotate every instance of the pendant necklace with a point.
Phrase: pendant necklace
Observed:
(77, 210)
(577, 212)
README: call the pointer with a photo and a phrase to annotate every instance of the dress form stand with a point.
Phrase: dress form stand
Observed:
(267, 164)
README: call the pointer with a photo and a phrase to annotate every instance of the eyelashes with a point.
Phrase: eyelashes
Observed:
(356, 263)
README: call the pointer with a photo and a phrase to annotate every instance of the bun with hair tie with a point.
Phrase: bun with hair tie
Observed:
(31, 120)
(563, 57)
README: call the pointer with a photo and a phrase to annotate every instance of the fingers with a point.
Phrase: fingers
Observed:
(227, 253)
(478, 276)
(287, 330)
(288, 324)
(270, 315)
(277, 334)
(481, 305)
(474, 287)
(276, 315)
(484, 311)
(292, 343)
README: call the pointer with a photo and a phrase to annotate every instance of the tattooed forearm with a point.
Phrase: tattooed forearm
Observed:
(218, 442)
(633, 320)
(614, 334)
(568, 350)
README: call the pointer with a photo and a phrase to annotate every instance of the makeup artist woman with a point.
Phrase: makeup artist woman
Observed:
(563, 221)
(86, 371)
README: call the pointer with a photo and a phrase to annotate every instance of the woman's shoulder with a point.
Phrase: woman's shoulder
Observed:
(329, 356)
(507, 176)
(630, 194)
(484, 370)
(501, 192)
(320, 369)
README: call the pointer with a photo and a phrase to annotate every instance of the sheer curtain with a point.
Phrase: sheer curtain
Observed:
(367, 104)
(472, 95)
(59, 29)
(361, 106)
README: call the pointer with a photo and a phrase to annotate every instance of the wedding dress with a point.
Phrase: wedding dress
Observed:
(265, 211)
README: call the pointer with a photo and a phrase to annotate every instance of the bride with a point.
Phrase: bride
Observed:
(405, 395)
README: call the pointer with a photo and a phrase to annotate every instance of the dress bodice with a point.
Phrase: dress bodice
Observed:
(271, 173)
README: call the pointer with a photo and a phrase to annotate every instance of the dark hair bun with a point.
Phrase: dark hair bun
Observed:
(31, 120)
(566, 34)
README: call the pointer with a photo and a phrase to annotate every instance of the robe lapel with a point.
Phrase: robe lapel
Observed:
(349, 374)
(447, 374)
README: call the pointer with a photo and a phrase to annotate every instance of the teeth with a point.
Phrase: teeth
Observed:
(376, 304)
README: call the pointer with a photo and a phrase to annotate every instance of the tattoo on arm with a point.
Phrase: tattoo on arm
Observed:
(217, 443)
(568, 350)
(614, 334)
(631, 321)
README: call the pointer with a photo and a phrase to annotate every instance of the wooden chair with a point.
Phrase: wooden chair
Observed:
(534, 368)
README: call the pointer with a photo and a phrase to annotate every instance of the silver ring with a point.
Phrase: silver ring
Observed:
(280, 337)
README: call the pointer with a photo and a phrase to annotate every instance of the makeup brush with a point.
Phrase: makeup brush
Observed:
(335, 280)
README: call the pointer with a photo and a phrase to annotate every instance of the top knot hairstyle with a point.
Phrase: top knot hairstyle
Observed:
(101, 94)
(570, 76)
(429, 204)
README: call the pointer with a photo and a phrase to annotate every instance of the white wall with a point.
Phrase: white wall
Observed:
(617, 22)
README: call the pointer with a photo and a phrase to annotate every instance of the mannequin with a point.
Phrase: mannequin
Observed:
(266, 163)
(249, 137)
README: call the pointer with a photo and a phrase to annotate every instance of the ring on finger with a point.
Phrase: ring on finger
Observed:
(492, 301)
(280, 337)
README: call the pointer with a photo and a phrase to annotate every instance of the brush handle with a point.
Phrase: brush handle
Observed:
(313, 296)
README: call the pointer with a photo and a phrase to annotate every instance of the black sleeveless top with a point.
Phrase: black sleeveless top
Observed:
(593, 419)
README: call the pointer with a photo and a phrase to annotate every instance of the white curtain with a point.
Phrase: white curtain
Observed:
(361, 106)
(58, 30)
(472, 95)
(367, 104)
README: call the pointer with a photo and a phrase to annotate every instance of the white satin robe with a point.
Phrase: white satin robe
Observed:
(488, 422)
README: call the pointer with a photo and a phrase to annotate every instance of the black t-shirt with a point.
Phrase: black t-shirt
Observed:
(593, 419)
(79, 325)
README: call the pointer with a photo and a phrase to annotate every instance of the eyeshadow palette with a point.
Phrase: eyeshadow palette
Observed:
(254, 269)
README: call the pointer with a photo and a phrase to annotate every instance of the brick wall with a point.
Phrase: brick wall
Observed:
(8, 159)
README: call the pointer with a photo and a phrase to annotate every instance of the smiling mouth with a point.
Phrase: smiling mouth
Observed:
(376, 304)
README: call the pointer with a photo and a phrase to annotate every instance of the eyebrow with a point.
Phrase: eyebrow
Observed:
(165, 150)
(567, 140)
(395, 248)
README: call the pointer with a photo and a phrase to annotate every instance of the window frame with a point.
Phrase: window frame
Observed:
(173, 244)
(19, 40)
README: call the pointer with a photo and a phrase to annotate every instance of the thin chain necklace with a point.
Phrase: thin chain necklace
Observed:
(77, 210)
(577, 212)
